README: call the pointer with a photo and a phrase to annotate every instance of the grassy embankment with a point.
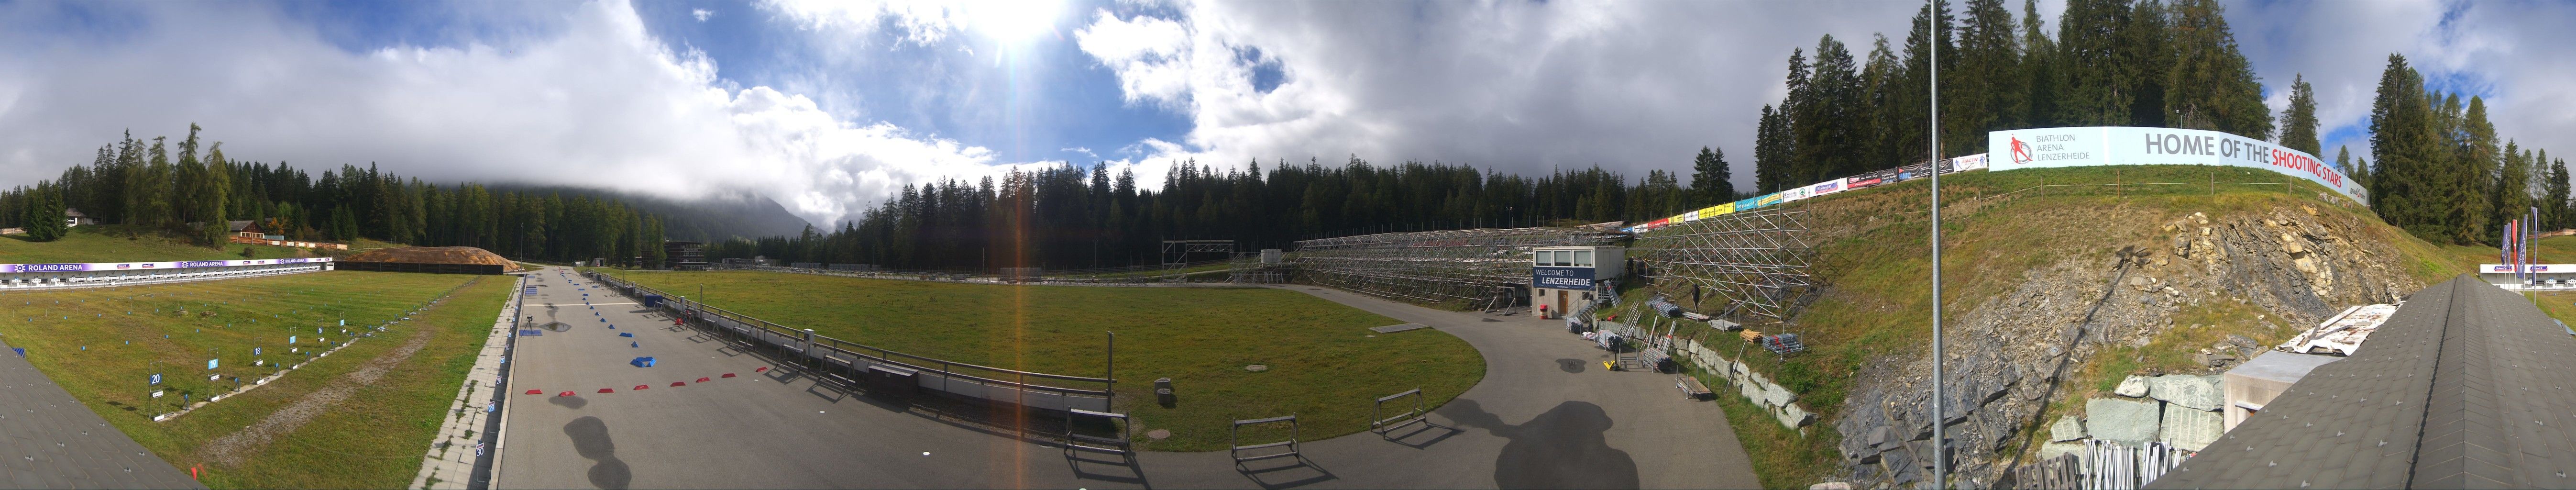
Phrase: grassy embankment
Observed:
(1872, 259)
(1325, 365)
(107, 244)
(373, 439)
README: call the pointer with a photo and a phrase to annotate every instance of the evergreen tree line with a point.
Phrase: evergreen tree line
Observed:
(136, 186)
(2442, 173)
(1067, 217)
(2112, 63)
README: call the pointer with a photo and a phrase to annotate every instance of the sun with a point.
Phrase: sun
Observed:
(1013, 21)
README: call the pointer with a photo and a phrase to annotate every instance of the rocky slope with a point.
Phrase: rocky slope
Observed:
(2289, 266)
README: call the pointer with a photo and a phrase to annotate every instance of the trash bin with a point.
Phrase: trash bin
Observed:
(652, 301)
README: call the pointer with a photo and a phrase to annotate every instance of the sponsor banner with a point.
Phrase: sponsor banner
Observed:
(1767, 200)
(1826, 187)
(116, 266)
(2115, 145)
(2508, 268)
(1561, 277)
(1796, 193)
(1868, 180)
(1966, 163)
(1690, 216)
(1718, 210)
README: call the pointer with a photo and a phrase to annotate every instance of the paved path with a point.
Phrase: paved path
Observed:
(1545, 416)
(49, 440)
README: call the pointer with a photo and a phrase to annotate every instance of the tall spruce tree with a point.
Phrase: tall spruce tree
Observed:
(1711, 181)
(2211, 85)
(2038, 71)
(2103, 82)
(1770, 152)
(2512, 197)
(2405, 188)
(2299, 123)
(2477, 165)
(1988, 91)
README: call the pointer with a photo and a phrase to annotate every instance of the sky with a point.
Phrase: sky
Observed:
(829, 107)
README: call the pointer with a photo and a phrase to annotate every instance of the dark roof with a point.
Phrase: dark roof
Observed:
(2466, 386)
(239, 225)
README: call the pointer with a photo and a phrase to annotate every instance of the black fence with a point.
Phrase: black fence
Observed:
(483, 269)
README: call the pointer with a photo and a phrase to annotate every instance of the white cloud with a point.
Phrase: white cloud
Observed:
(1522, 87)
(2341, 48)
(701, 14)
(600, 103)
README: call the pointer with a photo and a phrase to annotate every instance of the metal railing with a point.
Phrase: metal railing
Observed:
(851, 360)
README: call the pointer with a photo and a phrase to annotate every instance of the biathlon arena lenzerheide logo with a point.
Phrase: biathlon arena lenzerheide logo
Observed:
(2020, 151)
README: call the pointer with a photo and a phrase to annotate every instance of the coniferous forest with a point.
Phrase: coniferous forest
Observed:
(141, 187)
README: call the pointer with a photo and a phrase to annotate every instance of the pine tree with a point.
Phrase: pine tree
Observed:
(2299, 124)
(2511, 200)
(1711, 181)
(1768, 155)
(2091, 34)
(214, 195)
(45, 220)
(2403, 179)
(2478, 166)
(2211, 85)
(2038, 71)
(1988, 91)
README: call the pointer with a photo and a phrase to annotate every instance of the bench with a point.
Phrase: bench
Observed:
(1076, 441)
(1382, 424)
(1239, 447)
(1692, 388)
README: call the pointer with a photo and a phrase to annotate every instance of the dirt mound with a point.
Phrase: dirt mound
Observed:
(436, 255)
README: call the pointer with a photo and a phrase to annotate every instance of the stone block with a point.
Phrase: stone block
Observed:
(2054, 449)
(1793, 417)
(1777, 396)
(2067, 428)
(2190, 429)
(2133, 387)
(2133, 423)
(2195, 392)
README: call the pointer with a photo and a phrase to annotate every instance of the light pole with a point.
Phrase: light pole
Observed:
(1940, 436)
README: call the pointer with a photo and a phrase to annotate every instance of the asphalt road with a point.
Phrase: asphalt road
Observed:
(1545, 416)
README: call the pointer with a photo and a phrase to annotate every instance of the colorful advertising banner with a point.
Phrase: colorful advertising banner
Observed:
(116, 266)
(2077, 147)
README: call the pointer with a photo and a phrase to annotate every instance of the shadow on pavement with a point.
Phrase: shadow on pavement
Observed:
(1299, 465)
(1563, 448)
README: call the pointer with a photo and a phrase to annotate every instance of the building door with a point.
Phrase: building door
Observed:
(1560, 303)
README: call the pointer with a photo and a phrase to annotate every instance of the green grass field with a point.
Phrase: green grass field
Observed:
(372, 439)
(103, 244)
(1324, 364)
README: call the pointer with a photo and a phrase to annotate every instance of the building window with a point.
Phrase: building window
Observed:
(1582, 258)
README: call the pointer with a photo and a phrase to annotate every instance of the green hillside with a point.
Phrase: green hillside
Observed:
(2028, 253)
(108, 244)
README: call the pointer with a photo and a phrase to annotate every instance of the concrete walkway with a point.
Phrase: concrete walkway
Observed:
(49, 440)
(1545, 416)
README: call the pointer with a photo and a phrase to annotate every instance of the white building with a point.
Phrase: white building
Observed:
(1563, 278)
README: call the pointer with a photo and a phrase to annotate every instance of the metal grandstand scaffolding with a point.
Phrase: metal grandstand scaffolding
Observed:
(1484, 267)
(1177, 253)
(1755, 262)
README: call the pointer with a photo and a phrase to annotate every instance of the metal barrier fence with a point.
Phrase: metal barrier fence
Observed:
(858, 363)
(2102, 465)
(901, 275)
